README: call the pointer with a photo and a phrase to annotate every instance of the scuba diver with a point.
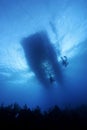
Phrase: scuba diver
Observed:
(51, 78)
(64, 61)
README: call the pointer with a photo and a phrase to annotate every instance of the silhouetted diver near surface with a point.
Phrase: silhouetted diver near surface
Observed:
(51, 78)
(64, 61)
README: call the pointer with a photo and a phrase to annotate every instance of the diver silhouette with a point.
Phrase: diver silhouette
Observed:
(64, 61)
(51, 78)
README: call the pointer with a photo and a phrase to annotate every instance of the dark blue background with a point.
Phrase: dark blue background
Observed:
(65, 21)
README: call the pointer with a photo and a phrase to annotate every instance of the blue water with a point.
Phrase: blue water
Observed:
(65, 22)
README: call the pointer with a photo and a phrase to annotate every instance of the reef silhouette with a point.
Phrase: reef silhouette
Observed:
(15, 117)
